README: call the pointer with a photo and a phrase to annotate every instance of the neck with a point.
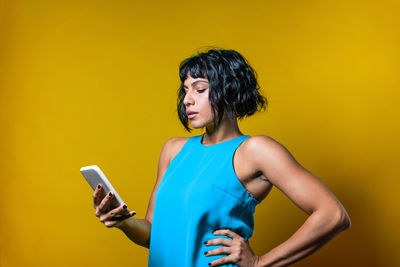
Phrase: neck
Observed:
(226, 131)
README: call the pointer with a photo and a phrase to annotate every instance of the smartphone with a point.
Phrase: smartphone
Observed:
(95, 176)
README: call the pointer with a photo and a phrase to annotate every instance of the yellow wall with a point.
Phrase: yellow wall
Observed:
(94, 82)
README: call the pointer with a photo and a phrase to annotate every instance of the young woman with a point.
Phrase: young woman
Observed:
(201, 209)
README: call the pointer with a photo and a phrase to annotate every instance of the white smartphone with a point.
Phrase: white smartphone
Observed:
(95, 176)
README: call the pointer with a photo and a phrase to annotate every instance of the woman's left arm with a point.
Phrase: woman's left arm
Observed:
(327, 217)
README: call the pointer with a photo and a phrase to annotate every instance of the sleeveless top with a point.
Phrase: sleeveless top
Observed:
(199, 193)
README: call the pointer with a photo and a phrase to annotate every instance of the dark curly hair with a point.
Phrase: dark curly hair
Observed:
(233, 84)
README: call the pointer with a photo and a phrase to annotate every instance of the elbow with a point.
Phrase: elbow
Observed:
(347, 223)
(343, 221)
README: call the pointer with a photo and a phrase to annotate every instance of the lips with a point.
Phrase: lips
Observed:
(192, 115)
(189, 112)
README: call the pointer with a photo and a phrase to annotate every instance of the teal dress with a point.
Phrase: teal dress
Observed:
(198, 194)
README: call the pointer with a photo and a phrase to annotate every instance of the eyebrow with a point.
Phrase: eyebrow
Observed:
(196, 82)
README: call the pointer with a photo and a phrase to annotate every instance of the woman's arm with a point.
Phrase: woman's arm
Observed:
(138, 230)
(327, 215)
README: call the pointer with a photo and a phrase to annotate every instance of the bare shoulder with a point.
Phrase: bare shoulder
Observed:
(264, 149)
(263, 144)
(177, 139)
(173, 145)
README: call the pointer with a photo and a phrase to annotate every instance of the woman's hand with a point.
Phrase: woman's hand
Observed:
(108, 213)
(238, 249)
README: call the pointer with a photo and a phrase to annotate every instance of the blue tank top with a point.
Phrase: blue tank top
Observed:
(198, 194)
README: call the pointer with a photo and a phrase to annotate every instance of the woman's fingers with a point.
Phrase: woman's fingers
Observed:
(104, 204)
(219, 241)
(115, 216)
(132, 213)
(98, 195)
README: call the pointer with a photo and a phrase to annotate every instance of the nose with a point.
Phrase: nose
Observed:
(188, 99)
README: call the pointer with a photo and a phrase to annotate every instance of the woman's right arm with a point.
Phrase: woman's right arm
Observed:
(137, 230)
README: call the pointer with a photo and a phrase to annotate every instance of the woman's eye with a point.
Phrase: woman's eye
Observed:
(197, 90)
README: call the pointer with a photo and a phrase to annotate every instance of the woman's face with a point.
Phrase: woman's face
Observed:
(196, 100)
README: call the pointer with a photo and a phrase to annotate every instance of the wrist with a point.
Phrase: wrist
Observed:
(257, 261)
(267, 260)
(124, 223)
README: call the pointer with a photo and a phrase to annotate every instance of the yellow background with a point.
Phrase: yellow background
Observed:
(94, 82)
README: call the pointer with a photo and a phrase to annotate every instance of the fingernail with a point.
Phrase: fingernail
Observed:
(110, 194)
(125, 206)
(99, 186)
(205, 253)
(205, 243)
(209, 264)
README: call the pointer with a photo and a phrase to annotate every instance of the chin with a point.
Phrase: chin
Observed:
(199, 125)
(196, 126)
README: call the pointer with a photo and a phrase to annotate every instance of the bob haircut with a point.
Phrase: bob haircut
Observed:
(232, 82)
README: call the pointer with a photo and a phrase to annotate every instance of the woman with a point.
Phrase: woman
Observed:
(201, 209)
